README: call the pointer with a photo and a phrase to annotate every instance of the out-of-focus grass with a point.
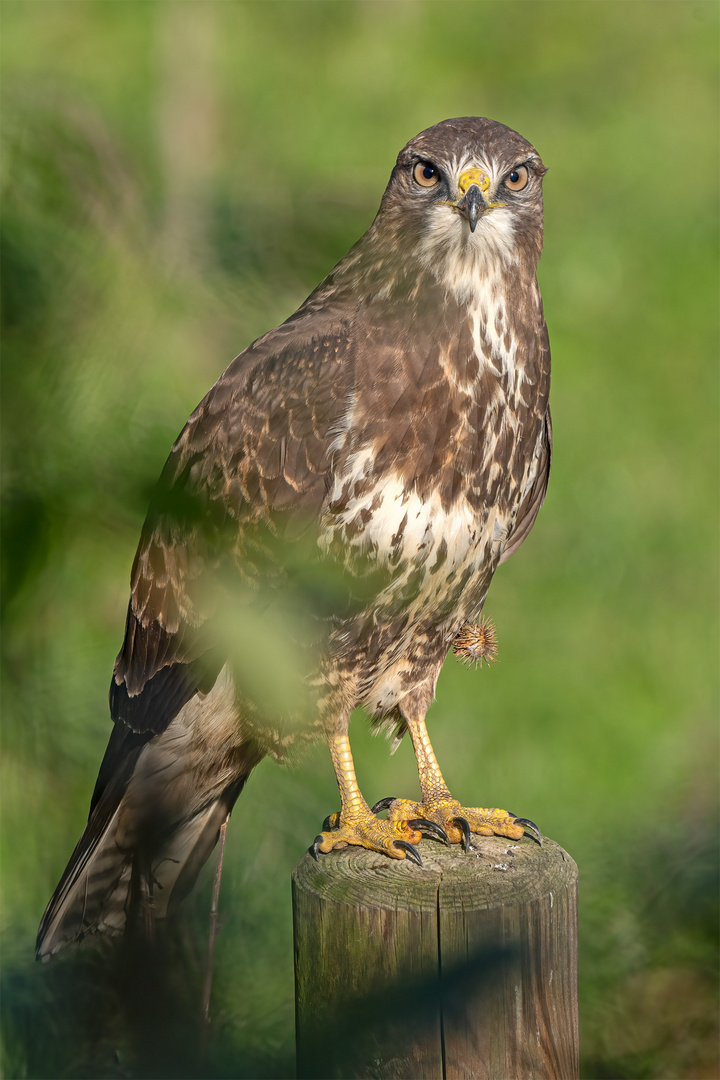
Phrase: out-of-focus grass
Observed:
(177, 177)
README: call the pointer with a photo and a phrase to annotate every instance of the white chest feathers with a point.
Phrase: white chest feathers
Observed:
(393, 525)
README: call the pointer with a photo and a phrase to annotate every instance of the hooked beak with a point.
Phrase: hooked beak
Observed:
(472, 206)
(474, 185)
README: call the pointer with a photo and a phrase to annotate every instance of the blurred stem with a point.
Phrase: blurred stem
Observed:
(188, 123)
(207, 989)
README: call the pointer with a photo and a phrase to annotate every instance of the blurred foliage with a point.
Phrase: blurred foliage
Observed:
(176, 179)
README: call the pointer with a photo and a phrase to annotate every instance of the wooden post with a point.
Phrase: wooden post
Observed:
(466, 968)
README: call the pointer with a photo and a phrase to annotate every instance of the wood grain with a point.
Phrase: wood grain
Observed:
(464, 968)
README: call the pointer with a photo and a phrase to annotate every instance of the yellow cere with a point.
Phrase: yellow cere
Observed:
(473, 176)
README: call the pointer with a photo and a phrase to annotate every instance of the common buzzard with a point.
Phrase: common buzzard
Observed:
(397, 427)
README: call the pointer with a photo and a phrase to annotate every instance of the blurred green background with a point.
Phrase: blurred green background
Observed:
(177, 177)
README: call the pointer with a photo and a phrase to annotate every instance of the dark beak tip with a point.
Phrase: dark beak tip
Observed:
(472, 206)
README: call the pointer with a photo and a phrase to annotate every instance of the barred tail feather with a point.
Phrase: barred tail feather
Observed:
(155, 822)
(86, 900)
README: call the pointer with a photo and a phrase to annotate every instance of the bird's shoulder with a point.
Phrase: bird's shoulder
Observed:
(252, 460)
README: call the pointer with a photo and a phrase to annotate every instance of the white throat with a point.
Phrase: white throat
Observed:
(468, 265)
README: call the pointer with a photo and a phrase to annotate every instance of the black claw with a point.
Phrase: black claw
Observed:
(531, 826)
(315, 847)
(328, 825)
(462, 824)
(410, 851)
(428, 826)
(384, 804)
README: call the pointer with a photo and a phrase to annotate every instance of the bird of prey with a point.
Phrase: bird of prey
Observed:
(398, 423)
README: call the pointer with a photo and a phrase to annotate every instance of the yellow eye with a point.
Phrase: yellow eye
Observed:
(518, 178)
(425, 175)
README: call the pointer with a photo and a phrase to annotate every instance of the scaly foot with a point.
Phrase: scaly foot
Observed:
(456, 821)
(394, 838)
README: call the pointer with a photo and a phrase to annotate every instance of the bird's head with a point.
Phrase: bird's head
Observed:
(464, 198)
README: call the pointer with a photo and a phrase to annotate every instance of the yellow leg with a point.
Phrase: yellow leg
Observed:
(356, 824)
(354, 806)
(439, 806)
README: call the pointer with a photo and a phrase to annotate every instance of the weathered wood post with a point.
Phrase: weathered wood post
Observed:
(466, 968)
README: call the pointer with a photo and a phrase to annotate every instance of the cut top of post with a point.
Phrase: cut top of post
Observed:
(494, 873)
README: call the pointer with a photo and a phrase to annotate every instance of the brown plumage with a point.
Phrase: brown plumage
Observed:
(398, 425)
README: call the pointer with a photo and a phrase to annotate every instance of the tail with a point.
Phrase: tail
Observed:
(154, 823)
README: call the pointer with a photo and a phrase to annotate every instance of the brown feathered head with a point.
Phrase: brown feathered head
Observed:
(464, 194)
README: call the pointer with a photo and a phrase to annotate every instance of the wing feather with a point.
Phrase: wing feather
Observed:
(255, 448)
(530, 506)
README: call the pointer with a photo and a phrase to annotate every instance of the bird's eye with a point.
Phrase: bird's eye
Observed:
(426, 175)
(517, 179)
